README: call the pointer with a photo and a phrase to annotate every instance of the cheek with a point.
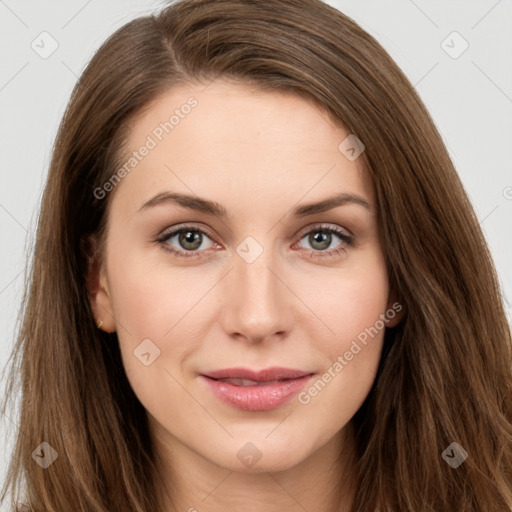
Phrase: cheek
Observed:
(349, 302)
(149, 297)
(158, 302)
(150, 305)
(351, 305)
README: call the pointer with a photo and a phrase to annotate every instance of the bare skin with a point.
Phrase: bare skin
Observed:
(300, 304)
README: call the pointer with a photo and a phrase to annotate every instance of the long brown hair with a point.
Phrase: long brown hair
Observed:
(445, 374)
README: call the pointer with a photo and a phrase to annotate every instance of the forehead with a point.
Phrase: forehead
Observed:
(240, 109)
(234, 137)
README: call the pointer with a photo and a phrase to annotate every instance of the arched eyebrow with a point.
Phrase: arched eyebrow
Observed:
(329, 203)
(194, 203)
(199, 204)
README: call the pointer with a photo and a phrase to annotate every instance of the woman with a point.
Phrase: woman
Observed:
(258, 283)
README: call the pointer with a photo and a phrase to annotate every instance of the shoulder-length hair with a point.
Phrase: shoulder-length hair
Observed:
(445, 371)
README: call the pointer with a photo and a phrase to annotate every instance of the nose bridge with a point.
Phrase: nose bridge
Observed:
(256, 304)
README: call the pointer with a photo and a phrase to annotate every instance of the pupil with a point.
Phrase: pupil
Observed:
(190, 240)
(320, 237)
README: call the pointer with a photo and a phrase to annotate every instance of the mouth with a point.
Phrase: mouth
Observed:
(256, 390)
(247, 382)
(265, 375)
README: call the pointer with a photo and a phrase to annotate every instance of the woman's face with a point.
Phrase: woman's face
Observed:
(258, 279)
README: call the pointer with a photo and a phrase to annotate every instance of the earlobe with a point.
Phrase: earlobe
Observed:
(98, 291)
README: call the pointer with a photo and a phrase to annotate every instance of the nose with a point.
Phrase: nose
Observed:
(258, 304)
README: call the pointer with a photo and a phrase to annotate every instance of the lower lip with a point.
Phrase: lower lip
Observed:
(257, 398)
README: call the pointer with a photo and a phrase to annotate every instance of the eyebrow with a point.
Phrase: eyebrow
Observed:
(198, 204)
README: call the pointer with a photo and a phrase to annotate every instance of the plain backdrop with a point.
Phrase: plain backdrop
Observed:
(457, 54)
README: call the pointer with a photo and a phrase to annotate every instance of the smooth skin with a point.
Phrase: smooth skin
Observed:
(299, 304)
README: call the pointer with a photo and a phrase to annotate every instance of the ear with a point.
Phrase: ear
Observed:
(395, 311)
(97, 286)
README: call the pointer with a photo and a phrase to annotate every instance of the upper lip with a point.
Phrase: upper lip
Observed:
(266, 374)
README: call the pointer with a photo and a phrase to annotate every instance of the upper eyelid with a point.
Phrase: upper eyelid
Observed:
(167, 232)
(326, 226)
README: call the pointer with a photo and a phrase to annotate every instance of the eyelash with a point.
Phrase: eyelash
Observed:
(347, 239)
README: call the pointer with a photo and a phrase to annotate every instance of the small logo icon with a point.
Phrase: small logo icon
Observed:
(44, 455)
(351, 147)
(454, 45)
(454, 455)
(146, 352)
(249, 454)
(44, 45)
(249, 249)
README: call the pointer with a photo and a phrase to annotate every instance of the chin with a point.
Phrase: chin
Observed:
(262, 456)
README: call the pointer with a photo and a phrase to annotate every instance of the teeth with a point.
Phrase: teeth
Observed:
(247, 382)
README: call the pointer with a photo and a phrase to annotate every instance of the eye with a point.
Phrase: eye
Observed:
(188, 241)
(321, 237)
(188, 238)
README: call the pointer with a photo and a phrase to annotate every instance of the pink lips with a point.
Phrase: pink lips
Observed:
(267, 394)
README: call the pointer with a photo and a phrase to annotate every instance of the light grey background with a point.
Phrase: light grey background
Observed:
(469, 97)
